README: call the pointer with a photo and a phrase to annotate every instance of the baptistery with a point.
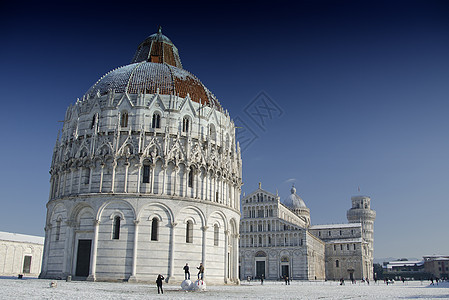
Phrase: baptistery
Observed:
(146, 176)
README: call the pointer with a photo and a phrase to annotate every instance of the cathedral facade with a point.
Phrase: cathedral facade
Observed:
(278, 240)
(146, 176)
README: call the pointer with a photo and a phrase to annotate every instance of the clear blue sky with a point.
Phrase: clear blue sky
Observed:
(363, 87)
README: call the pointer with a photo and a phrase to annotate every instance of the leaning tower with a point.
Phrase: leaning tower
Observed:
(362, 213)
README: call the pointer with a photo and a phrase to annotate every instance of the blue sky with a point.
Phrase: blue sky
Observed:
(361, 89)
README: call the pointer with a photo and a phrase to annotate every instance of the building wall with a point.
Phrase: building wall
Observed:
(12, 257)
(98, 175)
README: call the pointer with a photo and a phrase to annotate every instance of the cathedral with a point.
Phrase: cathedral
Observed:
(277, 240)
(146, 176)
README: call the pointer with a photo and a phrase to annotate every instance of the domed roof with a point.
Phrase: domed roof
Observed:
(157, 48)
(156, 68)
(294, 201)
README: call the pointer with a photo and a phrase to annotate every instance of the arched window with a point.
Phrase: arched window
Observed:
(156, 123)
(337, 264)
(216, 235)
(260, 240)
(116, 228)
(124, 119)
(146, 174)
(87, 176)
(212, 131)
(189, 232)
(58, 229)
(185, 124)
(190, 177)
(154, 229)
(94, 119)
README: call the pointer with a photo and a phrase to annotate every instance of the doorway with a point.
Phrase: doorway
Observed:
(260, 269)
(26, 264)
(83, 258)
(285, 271)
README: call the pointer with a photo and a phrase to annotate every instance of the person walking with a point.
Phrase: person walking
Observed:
(159, 281)
(186, 272)
(201, 271)
(261, 279)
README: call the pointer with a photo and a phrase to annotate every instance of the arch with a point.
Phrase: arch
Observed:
(198, 211)
(156, 120)
(104, 205)
(124, 118)
(221, 215)
(186, 122)
(164, 207)
(155, 229)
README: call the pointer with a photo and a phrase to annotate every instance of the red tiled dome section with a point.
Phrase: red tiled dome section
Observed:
(148, 77)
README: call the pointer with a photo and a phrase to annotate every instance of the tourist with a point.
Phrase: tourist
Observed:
(261, 279)
(201, 271)
(159, 281)
(186, 272)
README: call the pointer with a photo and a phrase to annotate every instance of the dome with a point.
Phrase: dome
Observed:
(152, 78)
(294, 201)
(155, 69)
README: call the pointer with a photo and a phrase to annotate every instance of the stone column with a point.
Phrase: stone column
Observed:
(72, 170)
(175, 181)
(67, 249)
(101, 178)
(203, 256)
(46, 251)
(171, 275)
(79, 179)
(186, 180)
(226, 250)
(133, 278)
(139, 178)
(91, 170)
(93, 255)
(196, 183)
(125, 188)
(153, 169)
(164, 179)
(114, 165)
(65, 180)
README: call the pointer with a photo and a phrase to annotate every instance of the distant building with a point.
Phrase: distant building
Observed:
(437, 265)
(276, 240)
(20, 254)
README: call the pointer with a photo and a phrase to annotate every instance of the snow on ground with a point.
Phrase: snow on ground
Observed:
(12, 288)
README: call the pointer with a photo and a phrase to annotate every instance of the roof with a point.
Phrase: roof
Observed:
(24, 238)
(404, 263)
(153, 78)
(334, 226)
(294, 201)
(344, 241)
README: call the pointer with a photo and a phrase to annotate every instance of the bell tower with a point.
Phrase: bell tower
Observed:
(361, 212)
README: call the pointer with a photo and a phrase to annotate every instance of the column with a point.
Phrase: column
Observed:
(46, 251)
(133, 278)
(186, 180)
(114, 165)
(79, 179)
(72, 170)
(226, 250)
(175, 186)
(164, 180)
(206, 187)
(101, 177)
(203, 257)
(93, 256)
(91, 170)
(153, 169)
(171, 275)
(125, 188)
(196, 183)
(67, 253)
(65, 180)
(139, 178)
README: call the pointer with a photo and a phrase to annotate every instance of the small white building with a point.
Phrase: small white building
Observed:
(20, 254)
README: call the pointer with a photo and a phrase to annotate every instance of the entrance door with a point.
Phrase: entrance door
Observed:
(83, 258)
(260, 269)
(351, 275)
(26, 264)
(285, 271)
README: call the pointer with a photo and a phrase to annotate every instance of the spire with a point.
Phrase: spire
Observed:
(159, 31)
(260, 185)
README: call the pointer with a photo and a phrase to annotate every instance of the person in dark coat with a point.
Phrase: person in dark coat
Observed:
(186, 272)
(159, 281)
(201, 271)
